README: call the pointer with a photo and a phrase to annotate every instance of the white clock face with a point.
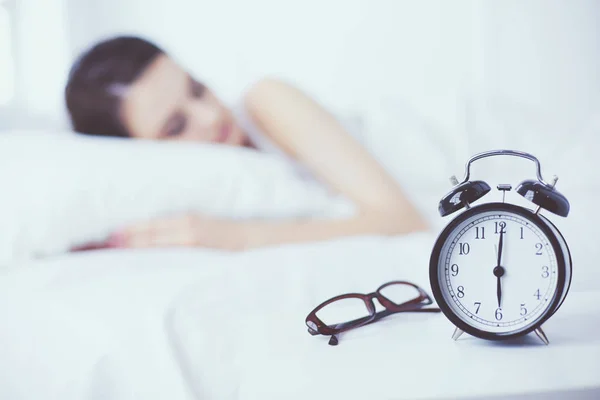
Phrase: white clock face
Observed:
(504, 297)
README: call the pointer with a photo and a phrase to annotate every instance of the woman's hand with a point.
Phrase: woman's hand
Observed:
(190, 230)
(193, 230)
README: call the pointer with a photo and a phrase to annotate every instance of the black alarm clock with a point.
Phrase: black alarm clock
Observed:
(500, 270)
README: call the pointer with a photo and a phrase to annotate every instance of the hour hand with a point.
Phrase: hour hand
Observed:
(499, 291)
(498, 272)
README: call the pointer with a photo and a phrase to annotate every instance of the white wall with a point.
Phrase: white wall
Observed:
(537, 85)
(341, 51)
(43, 56)
(428, 54)
(545, 53)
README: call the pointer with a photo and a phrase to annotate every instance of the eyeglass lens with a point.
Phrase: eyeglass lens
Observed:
(343, 310)
(399, 293)
(353, 308)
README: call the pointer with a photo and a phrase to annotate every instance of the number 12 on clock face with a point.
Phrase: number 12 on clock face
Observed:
(499, 227)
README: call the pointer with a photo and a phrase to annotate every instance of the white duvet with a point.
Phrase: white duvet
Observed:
(175, 323)
(198, 324)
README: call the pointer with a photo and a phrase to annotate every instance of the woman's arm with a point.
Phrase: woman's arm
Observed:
(198, 231)
(261, 233)
(302, 128)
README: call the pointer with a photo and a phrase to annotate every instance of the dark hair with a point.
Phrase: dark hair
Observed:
(96, 78)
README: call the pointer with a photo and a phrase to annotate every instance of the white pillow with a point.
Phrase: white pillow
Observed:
(63, 190)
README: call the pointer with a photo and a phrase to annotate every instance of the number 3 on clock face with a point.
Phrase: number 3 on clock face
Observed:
(498, 270)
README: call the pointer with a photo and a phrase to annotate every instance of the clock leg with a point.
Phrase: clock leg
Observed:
(540, 333)
(456, 334)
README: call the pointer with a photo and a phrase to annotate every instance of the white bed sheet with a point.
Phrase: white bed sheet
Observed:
(196, 324)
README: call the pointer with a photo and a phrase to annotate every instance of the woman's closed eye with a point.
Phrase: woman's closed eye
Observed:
(175, 126)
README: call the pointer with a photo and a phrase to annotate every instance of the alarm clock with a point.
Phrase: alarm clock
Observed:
(500, 270)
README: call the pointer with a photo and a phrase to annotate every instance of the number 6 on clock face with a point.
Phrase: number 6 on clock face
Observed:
(499, 270)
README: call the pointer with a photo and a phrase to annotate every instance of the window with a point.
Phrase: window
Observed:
(7, 62)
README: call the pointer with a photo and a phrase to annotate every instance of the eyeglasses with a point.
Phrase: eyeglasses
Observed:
(395, 297)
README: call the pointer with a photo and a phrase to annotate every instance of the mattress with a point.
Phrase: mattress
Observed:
(204, 324)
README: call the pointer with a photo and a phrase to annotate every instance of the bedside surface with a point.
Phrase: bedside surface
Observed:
(412, 356)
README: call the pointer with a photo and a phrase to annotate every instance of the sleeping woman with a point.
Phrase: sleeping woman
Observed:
(128, 87)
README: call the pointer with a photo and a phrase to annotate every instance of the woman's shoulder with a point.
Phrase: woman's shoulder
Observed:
(251, 109)
(244, 110)
(267, 83)
(264, 91)
(256, 99)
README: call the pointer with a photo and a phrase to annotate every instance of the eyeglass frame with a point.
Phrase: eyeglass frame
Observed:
(318, 327)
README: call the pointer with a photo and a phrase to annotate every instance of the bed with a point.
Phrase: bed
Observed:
(207, 324)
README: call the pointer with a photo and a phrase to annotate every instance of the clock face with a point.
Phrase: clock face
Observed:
(496, 270)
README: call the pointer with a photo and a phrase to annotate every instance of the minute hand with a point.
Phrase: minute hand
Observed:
(500, 245)
(498, 270)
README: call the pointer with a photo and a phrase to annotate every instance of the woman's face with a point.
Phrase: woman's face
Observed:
(167, 103)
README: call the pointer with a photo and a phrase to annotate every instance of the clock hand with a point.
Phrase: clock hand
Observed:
(499, 270)
(499, 291)
(500, 245)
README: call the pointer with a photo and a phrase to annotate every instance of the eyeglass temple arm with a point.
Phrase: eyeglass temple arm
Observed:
(333, 340)
(384, 313)
(349, 323)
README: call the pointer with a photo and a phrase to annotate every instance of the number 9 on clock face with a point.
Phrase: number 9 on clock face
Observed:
(499, 270)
